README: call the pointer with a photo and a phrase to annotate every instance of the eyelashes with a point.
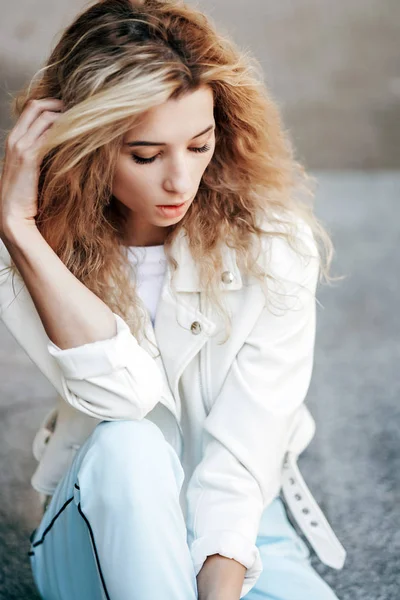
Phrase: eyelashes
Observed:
(145, 161)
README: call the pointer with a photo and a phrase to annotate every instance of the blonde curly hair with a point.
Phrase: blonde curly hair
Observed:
(117, 59)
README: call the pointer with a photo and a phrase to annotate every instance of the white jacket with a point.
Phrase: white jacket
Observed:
(233, 412)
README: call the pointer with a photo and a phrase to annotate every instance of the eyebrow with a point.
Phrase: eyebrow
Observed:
(142, 143)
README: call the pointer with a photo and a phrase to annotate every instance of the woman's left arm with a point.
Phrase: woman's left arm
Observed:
(247, 429)
(220, 578)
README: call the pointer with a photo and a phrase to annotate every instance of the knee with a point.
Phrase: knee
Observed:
(126, 459)
(116, 446)
(132, 433)
(121, 440)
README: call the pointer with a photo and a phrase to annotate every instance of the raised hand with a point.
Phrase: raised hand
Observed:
(20, 175)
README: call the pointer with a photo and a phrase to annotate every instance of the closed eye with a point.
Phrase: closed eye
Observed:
(144, 161)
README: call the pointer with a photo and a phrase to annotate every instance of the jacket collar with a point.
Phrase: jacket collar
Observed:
(187, 275)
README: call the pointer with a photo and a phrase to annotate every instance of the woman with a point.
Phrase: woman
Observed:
(163, 279)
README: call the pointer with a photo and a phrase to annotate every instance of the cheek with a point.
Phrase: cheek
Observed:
(205, 162)
(135, 188)
(210, 154)
(127, 181)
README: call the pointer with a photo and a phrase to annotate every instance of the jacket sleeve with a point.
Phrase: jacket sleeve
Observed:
(247, 429)
(110, 379)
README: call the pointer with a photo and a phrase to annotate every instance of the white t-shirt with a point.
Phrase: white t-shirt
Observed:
(150, 263)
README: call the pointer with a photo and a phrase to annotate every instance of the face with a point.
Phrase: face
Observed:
(161, 164)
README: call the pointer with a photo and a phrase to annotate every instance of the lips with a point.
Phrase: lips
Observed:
(171, 210)
(168, 205)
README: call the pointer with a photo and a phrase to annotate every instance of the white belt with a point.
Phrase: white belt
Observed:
(308, 515)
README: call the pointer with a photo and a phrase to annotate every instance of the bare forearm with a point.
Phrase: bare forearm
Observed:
(220, 578)
(71, 314)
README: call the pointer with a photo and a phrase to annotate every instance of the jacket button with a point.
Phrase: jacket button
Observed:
(227, 277)
(195, 327)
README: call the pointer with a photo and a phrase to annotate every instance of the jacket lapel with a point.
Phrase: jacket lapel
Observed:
(181, 330)
(181, 326)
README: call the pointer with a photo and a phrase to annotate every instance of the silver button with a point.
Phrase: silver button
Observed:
(227, 277)
(195, 327)
(314, 524)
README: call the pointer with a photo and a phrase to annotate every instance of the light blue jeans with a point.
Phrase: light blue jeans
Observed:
(114, 528)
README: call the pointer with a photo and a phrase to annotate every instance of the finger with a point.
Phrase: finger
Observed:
(41, 124)
(30, 114)
(41, 140)
(27, 148)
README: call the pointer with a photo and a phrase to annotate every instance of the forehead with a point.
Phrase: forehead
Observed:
(176, 119)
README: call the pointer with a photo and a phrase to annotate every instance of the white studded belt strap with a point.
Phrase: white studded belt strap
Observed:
(308, 515)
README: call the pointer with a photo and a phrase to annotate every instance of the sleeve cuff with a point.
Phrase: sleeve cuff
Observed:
(232, 545)
(96, 358)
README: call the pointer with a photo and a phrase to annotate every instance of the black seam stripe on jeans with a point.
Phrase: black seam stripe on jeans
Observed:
(64, 506)
(46, 531)
(95, 551)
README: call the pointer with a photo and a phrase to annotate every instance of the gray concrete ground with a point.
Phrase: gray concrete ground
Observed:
(352, 465)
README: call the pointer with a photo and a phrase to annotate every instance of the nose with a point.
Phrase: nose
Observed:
(178, 178)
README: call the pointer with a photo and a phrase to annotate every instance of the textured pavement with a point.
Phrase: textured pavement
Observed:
(353, 464)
